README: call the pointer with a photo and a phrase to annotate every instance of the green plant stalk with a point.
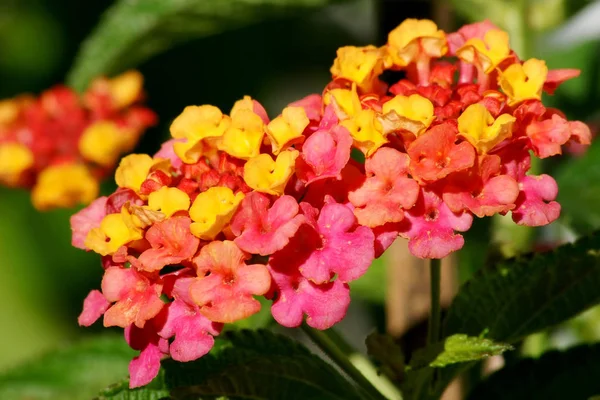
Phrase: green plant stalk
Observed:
(435, 316)
(340, 358)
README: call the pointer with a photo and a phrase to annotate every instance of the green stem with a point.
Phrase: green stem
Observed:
(333, 351)
(433, 334)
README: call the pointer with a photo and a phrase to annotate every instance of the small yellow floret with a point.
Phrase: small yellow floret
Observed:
(115, 230)
(265, 175)
(487, 53)
(198, 125)
(244, 136)
(212, 210)
(133, 171)
(64, 185)
(415, 38)
(478, 126)
(15, 158)
(366, 130)
(103, 142)
(361, 65)
(169, 200)
(287, 129)
(523, 82)
(126, 88)
(414, 107)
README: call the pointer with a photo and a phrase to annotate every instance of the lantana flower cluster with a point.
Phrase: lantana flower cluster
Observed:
(240, 205)
(60, 145)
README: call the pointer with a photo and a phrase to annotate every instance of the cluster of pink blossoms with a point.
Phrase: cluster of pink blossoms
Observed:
(60, 144)
(237, 206)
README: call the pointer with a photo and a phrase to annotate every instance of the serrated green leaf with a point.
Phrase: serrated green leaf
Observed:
(75, 372)
(251, 365)
(132, 31)
(462, 348)
(387, 354)
(579, 190)
(557, 375)
(519, 296)
(522, 295)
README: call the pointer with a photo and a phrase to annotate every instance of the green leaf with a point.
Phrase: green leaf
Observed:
(579, 190)
(513, 298)
(132, 31)
(372, 285)
(75, 372)
(519, 296)
(388, 355)
(570, 374)
(252, 365)
(461, 348)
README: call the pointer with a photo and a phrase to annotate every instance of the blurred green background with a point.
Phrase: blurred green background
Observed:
(44, 280)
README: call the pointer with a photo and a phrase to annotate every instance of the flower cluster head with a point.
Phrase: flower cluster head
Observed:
(61, 144)
(239, 205)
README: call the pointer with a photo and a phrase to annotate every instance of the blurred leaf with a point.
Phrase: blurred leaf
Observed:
(253, 364)
(387, 354)
(372, 285)
(579, 190)
(457, 349)
(132, 31)
(261, 319)
(570, 374)
(75, 372)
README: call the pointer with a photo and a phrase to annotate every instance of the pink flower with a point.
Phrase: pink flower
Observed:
(312, 105)
(137, 299)
(434, 155)
(295, 296)
(324, 154)
(535, 205)
(336, 189)
(549, 135)
(166, 151)
(85, 220)
(430, 227)
(94, 305)
(481, 189)
(145, 367)
(263, 230)
(334, 245)
(386, 191)
(193, 332)
(556, 77)
(171, 241)
(225, 285)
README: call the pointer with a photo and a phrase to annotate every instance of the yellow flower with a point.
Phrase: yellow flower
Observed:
(346, 101)
(198, 125)
(64, 185)
(487, 53)
(103, 142)
(244, 104)
(168, 200)
(415, 108)
(212, 210)
(9, 111)
(415, 38)
(244, 136)
(15, 158)
(361, 65)
(263, 174)
(478, 126)
(523, 82)
(366, 130)
(287, 129)
(126, 88)
(115, 230)
(134, 169)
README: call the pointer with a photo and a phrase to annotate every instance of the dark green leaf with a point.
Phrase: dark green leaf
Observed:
(388, 355)
(75, 372)
(579, 190)
(519, 296)
(516, 297)
(252, 365)
(572, 374)
(132, 31)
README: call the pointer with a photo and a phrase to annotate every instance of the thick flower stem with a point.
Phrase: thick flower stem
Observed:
(333, 351)
(433, 334)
